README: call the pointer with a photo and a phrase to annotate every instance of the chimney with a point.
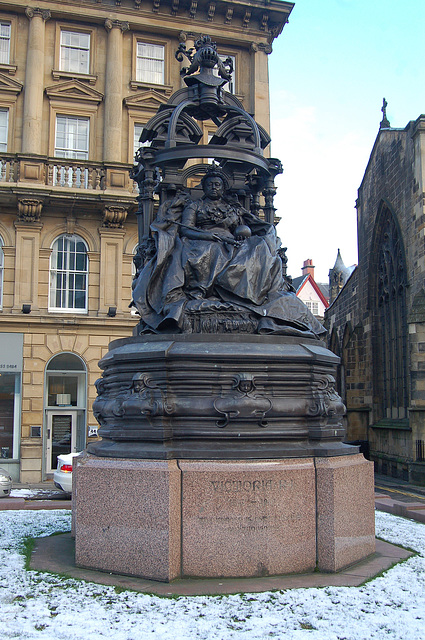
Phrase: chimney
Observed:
(308, 268)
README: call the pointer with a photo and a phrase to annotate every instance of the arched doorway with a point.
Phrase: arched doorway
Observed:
(65, 407)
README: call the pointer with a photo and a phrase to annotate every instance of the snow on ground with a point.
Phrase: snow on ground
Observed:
(50, 607)
(24, 493)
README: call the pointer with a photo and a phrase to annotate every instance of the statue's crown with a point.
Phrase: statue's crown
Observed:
(215, 171)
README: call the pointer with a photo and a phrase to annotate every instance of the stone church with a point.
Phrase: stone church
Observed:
(376, 319)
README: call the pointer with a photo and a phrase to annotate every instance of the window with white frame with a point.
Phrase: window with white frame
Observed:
(74, 52)
(229, 86)
(68, 274)
(5, 29)
(133, 310)
(138, 128)
(150, 63)
(312, 306)
(4, 125)
(72, 137)
(71, 141)
(1, 272)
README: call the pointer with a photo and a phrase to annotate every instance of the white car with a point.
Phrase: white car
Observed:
(5, 484)
(62, 476)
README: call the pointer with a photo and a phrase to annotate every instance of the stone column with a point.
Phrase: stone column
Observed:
(260, 82)
(111, 251)
(34, 81)
(28, 228)
(112, 133)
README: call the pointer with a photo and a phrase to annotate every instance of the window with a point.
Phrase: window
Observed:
(1, 272)
(390, 350)
(68, 275)
(138, 128)
(11, 348)
(313, 307)
(150, 63)
(71, 141)
(4, 125)
(5, 28)
(229, 86)
(74, 52)
(72, 137)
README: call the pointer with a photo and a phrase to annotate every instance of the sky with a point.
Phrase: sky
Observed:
(330, 69)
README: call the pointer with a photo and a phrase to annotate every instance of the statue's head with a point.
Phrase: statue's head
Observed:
(215, 182)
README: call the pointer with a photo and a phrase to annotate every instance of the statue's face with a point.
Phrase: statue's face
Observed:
(245, 386)
(214, 187)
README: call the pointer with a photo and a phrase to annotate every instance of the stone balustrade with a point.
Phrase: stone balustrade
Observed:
(64, 173)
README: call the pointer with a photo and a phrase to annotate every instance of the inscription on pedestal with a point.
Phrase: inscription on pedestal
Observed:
(250, 485)
(242, 520)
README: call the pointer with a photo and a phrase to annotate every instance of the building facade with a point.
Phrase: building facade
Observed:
(314, 295)
(377, 321)
(77, 83)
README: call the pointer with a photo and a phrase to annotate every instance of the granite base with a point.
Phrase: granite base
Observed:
(164, 520)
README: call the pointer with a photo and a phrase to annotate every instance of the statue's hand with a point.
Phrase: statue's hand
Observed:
(235, 243)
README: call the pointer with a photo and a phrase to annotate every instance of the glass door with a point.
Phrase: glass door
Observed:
(61, 436)
(65, 408)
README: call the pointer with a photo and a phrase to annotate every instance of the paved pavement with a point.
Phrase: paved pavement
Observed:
(57, 555)
(400, 498)
(44, 496)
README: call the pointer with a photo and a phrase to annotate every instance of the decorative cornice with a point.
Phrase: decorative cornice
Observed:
(193, 9)
(246, 18)
(229, 16)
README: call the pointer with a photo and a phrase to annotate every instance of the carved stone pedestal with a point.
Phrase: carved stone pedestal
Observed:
(221, 456)
(167, 519)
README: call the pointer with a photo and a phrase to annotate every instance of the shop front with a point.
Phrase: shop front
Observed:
(11, 353)
(65, 410)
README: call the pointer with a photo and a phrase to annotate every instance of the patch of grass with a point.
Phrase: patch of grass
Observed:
(27, 549)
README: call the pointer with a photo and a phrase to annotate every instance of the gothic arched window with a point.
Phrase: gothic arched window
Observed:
(390, 315)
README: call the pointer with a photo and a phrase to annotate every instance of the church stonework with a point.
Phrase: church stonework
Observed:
(377, 321)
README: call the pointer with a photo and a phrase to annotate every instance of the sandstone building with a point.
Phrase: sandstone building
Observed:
(77, 83)
(377, 320)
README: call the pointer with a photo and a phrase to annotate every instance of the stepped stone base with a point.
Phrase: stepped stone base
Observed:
(166, 519)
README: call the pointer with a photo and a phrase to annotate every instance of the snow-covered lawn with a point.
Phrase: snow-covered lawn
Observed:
(46, 607)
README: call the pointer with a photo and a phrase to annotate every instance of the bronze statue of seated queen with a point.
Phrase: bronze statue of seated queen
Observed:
(216, 269)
